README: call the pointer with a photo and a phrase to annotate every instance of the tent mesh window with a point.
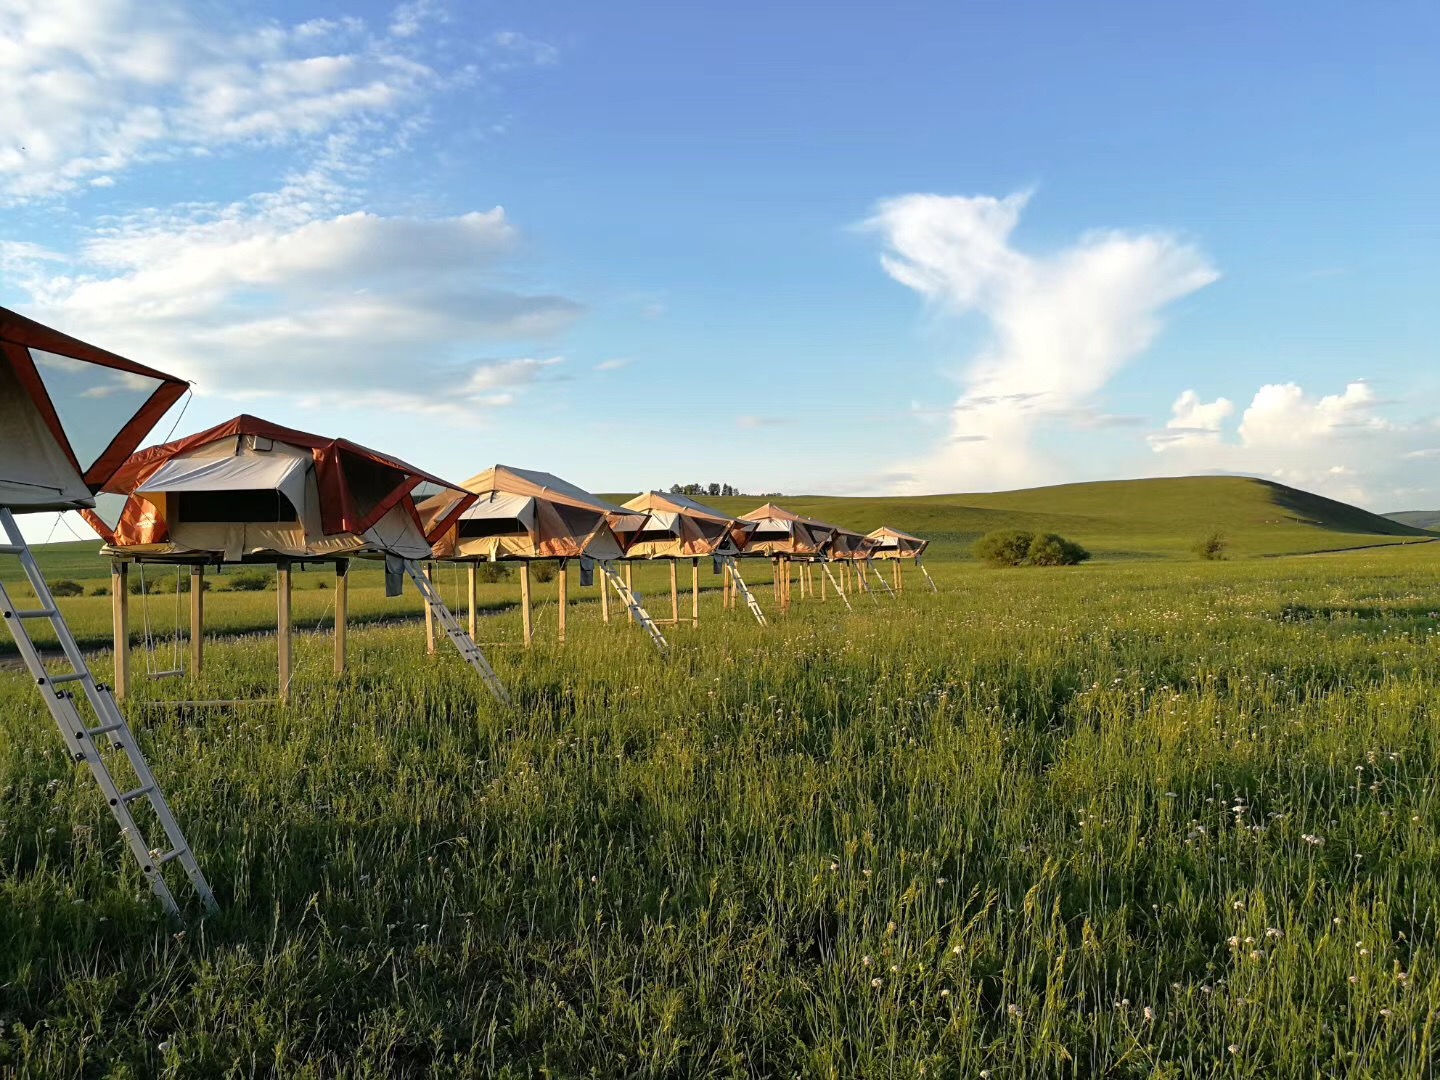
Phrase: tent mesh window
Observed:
(578, 521)
(93, 403)
(769, 535)
(259, 505)
(370, 482)
(479, 528)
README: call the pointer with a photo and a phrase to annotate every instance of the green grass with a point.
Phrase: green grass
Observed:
(1106, 820)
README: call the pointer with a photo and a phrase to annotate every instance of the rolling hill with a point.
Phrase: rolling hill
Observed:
(1420, 519)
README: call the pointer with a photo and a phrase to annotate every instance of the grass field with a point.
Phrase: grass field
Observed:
(1131, 818)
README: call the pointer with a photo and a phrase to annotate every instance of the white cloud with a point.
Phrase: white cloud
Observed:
(94, 87)
(1060, 325)
(1193, 422)
(614, 364)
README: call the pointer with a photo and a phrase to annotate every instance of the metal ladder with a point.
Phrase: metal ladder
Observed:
(931, 580)
(838, 590)
(463, 642)
(750, 600)
(870, 563)
(631, 600)
(80, 739)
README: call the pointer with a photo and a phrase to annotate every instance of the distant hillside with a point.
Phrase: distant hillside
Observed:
(1420, 519)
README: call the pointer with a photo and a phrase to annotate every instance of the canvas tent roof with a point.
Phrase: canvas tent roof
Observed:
(679, 527)
(252, 489)
(894, 544)
(70, 414)
(847, 544)
(525, 514)
(779, 532)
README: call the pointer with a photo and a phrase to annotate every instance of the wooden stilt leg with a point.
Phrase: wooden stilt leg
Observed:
(283, 636)
(429, 618)
(899, 578)
(472, 594)
(630, 585)
(694, 592)
(675, 592)
(197, 619)
(527, 621)
(564, 589)
(120, 612)
(604, 597)
(342, 612)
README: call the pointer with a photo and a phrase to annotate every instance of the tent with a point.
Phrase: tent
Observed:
(248, 491)
(894, 545)
(852, 551)
(787, 538)
(678, 527)
(70, 414)
(527, 516)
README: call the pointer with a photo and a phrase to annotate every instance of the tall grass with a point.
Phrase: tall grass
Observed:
(1158, 820)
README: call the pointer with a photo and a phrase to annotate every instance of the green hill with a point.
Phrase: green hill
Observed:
(1420, 519)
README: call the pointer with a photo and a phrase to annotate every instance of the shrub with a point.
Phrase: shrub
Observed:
(1211, 548)
(491, 572)
(67, 588)
(252, 581)
(1003, 547)
(100, 590)
(1048, 549)
(543, 571)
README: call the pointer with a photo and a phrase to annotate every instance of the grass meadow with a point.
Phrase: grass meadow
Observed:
(1159, 819)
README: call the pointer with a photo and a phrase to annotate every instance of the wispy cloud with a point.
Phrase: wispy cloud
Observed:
(754, 422)
(614, 364)
(1060, 325)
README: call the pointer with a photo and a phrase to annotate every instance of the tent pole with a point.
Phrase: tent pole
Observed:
(342, 611)
(694, 592)
(282, 625)
(564, 588)
(604, 599)
(630, 587)
(429, 618)
(674, 592)
(526, 620)
(120, 614)
(471, 590)
(197, 618)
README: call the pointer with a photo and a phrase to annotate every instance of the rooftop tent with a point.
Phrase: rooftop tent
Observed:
(894, 544)
(250, 489)
(70, 414)
(779, 532)
(845, 544)
(678, 527)
(523, 514)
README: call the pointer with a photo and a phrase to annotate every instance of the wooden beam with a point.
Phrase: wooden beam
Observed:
(674, 591)
(429, 617)
(695, 593)
(899, 577)
(342, 611)
(197, 619)
(283, 622)
(564, 590)
(472, 590)
(120, 614)
(526, 615)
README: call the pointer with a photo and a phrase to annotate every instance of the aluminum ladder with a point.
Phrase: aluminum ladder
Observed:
(825, 565)
(750, 600)
(80, 738)
(631, 599)
(463, 642)
(870, 563)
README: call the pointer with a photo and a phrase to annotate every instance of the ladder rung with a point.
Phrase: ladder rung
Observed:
(37, 613)
(139, 792)
(73, 676)
(170, 856)
(105, 729)
(11, 549)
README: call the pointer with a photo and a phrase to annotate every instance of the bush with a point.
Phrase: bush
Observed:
(543, 571)
(1048, 549)
(67, 588)
(491, 572)
(1211, 548)
(252, 581)
(100, 590)
(1004, 547)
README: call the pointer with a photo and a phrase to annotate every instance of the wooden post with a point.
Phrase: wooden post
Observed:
(564, 578)
(120, 612)
(197, 619)
(604, 584)
(775, 577)
(526, 620)
(823, 587)
(694, 592)
(674, 592)
(472, 590)
(429, 617)
(899, 578)
(630, 587)
(342, 611)
(282, 626)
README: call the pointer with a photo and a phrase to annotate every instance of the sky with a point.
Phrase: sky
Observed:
(835, 248)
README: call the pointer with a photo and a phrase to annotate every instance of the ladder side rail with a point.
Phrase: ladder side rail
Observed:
(825, 564)
(633, 605)
(871, 563)
(750, 599)
(459, 637)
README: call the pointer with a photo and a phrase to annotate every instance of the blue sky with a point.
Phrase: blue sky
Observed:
(801, 247)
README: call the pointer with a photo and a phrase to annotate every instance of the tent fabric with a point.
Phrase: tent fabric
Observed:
(780, 532)
(677, 527)
(248, 488)
(70, 414)
(894, 544)
(524, 514)
(845, 544)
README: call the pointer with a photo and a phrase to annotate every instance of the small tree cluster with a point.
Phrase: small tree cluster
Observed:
(491, 572)
(1211, 548)
(252, 581)
(704, 489)
(66, 588)
(543, 571)
(1019, 547)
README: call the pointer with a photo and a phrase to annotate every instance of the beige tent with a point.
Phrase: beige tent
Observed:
(678, 527)
(250, 491)
(896, 546)
(789, 539)
(525, 515)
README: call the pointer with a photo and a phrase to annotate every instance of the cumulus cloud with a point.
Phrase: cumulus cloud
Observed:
(1058, 326)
